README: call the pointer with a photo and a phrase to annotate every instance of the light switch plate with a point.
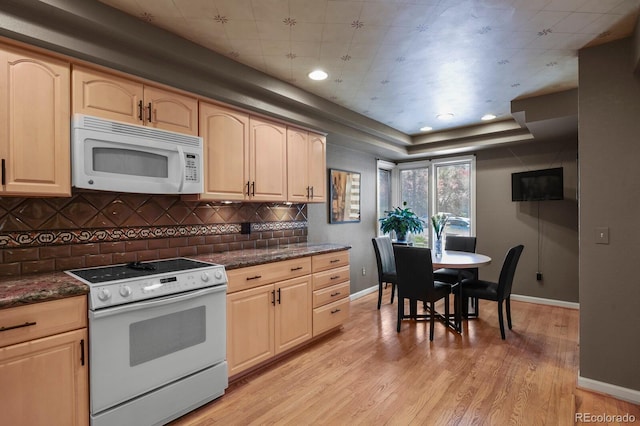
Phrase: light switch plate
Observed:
(602, 235)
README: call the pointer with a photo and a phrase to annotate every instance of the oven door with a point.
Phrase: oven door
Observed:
(139, 347)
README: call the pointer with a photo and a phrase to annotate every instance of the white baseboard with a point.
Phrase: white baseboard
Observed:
(362, 293)
(625, 394)
(542, 301)
(517, 297)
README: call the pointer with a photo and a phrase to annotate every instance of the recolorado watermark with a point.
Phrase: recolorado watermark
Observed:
(604, 418)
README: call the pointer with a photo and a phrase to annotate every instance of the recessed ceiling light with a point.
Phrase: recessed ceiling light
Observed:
(488, 117)
(318, 75)
(426, 129)
(445, 116)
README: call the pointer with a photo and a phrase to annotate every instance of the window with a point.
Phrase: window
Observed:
(414, 190)
(429, 187)
(453, 195)
(385, 200)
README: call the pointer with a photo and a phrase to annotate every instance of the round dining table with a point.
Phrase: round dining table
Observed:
(458, 260)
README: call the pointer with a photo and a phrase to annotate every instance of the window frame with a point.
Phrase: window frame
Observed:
(432, 165)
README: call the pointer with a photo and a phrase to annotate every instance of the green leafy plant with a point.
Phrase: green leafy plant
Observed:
(439, 221)
(401, 220)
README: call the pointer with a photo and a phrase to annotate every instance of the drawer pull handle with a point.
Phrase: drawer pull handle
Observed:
(335, 277)
(335, 294)
(335, 311)
(12, 327)
(296, 269)
(334, 261)
(254, 277)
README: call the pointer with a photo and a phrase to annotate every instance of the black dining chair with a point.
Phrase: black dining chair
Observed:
(452, 276)
(415, 282)
(386, 265)
(497, 291)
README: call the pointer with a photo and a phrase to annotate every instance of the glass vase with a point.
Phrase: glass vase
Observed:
(438, 247)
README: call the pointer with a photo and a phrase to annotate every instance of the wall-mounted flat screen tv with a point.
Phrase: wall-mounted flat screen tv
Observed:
(537, 185)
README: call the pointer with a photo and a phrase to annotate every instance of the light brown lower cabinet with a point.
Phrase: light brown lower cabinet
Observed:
(271, 308)
(267, 319)
(44, 380)
(331, 284)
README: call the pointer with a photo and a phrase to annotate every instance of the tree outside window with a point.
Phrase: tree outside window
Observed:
(453, 197)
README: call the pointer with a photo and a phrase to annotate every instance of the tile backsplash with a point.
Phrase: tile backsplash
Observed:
(101, 228)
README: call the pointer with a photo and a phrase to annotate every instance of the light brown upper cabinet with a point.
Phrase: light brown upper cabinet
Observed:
(34, 124)
(306, 165)
(225, 133)
(267, 160)
(117, 98)
(244, 157)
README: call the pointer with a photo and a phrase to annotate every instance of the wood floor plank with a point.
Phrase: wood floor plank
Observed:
(368, 374)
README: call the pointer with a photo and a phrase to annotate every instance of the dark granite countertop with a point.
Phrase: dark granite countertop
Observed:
(39, 288)
(251, 257)
(58, 285)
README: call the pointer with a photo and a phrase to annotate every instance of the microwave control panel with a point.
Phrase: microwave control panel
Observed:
(191, 167)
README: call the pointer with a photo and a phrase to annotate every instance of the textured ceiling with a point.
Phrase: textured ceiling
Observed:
(403, 62)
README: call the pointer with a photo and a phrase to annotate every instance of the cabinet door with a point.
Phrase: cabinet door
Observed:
(317, 167)
(250, 338)
(44, 382)
(107, 96)
(293, 313)
(34, 124)
(170, 111)
(268, 160)
(226, 152)
(297, 168)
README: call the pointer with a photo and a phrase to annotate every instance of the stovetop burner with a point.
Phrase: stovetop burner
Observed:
(137, 269)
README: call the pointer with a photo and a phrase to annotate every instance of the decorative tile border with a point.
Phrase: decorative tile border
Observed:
(80, 236)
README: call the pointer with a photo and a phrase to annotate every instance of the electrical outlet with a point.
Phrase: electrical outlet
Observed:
(538, 276)
(364, 272)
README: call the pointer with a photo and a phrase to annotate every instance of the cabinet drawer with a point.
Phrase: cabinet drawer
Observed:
(322, 262)
(254, 276)
(330, 316)
(330, 277)
(42, 319)
(330, 294)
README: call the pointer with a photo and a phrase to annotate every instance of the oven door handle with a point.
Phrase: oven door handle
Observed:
(153, 303)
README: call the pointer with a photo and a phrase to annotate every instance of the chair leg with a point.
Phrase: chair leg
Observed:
(431, 321)
(400, 313)
(379, 293)
(446, 307)
(501, 319)
(393, 290)
(508, 300)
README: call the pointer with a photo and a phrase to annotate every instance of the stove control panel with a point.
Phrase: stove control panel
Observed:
(130, 290)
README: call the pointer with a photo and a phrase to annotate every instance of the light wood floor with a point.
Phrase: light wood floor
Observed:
(368, 374)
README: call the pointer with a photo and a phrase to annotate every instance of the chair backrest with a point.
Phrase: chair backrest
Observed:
(415, 272)
(460, 243)
(508, 271)
(384, 255)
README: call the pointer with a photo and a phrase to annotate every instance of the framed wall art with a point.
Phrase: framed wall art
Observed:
(345, 196)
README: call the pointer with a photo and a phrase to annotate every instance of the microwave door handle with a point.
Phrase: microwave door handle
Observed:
(145, 304)
(183, 168)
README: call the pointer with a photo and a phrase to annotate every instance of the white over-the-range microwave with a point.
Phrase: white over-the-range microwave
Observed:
(114, 156)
